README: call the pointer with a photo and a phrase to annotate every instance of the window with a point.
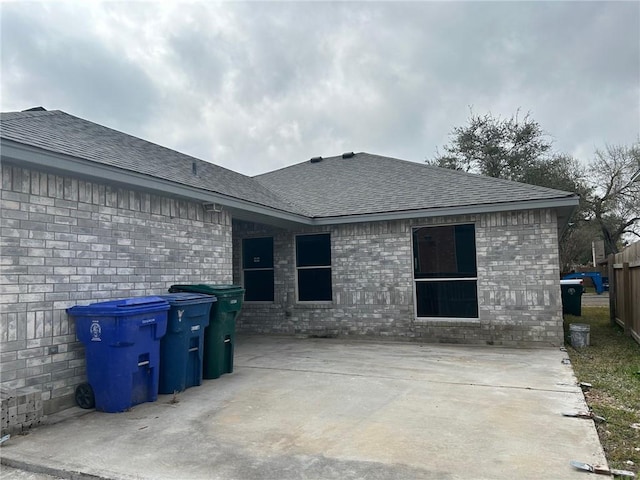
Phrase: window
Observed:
(313, 265)
(257, 268)
(445, 272)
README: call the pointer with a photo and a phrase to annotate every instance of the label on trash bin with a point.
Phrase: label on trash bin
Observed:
(148, 320)
(96, 331)
(195, 328)
(233, 302)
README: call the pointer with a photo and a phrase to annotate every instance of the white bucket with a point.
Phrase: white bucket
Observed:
(579, 333)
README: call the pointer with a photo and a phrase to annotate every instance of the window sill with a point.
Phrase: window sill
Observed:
(446, 320)
(312, 305)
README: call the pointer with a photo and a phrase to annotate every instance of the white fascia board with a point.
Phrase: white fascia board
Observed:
(34, 157)
(566, 202)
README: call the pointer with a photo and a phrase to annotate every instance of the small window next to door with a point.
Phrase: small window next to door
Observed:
(313, 265)
(445, 271)
(257, 269)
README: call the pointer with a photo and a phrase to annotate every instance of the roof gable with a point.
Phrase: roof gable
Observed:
(368, 184)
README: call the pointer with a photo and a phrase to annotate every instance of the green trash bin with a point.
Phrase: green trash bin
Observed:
(220, 335)
(571, 297)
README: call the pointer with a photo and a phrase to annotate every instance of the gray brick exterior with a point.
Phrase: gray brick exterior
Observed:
(67, 241)
(373, 289)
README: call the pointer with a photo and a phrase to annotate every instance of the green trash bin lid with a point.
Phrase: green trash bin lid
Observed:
(179, 299)
(209, 289)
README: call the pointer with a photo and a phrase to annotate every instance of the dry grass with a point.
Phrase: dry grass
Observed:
(612, 365)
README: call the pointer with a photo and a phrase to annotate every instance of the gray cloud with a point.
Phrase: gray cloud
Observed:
(50, 63)
(256, 86)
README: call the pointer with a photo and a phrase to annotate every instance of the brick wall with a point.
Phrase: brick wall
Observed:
(519, 278)
(67, 241)
(371, 287)
(518, 287)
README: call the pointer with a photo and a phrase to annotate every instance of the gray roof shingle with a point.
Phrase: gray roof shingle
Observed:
(62, 133)
(334, 187)
(366, 183)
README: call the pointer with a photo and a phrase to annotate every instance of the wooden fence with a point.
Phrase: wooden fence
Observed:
(624, 289)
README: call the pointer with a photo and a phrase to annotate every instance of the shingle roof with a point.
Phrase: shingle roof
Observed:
(60, 132)
(366, 184)
(334, 187)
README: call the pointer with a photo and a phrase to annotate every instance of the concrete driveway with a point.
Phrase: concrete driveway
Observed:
(338, 409)
(595, 300)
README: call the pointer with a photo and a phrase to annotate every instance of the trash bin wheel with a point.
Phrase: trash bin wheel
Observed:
(84, 396)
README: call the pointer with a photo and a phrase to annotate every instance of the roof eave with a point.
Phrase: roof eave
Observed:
(45, 160)
(29, 156)
(566, 205)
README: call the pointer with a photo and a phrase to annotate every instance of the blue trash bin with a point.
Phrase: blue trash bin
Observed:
(181, 349)
(122, 343)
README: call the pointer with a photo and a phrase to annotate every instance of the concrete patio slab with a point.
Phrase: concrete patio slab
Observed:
(595, 300)
(338, 409)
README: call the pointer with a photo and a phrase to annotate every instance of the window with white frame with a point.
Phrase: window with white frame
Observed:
(257, 269)
(313, 267)
(445, 271)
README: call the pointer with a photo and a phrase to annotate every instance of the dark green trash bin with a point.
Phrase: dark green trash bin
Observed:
(571, 297)
(182, 348)
(220, 335)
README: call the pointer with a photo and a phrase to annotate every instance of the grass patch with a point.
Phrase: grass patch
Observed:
(612, 365)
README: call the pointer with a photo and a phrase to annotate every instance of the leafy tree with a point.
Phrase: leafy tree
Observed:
(518, 149)
(496, 147)
(575, 244)
(614, 200)
(563, 172)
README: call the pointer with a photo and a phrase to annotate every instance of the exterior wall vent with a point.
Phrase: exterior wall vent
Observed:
(348, 155)
(315, 159)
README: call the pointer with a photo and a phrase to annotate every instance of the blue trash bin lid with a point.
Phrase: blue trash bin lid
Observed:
(125, 306)
(140, 301)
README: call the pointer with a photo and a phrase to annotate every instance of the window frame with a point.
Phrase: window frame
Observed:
(416, 281)
(312, 267)
(259, 269)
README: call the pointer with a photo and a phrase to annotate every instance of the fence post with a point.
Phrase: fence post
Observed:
(611, 258)
(626, 285)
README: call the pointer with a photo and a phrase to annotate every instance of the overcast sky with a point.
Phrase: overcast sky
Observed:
(258, 86)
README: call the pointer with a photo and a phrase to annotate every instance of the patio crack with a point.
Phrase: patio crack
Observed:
(388, 377)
